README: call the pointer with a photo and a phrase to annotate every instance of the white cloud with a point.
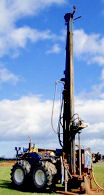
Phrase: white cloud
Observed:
(20, 36)
(31, 7)
(98, 60)
(85, 43)
(89, 47)
(55, 49)
(92, 112)
(30, 116)
(11, 36)
(16, 9)
(97, 90)
(7, 77)
(102, 75)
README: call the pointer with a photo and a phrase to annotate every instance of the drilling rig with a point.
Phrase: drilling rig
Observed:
(68, 165)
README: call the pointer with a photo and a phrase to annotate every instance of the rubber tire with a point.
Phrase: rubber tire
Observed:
(49, 172)
(25, 167)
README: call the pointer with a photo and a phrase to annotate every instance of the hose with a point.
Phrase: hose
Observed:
(54, 106)
(101, 188)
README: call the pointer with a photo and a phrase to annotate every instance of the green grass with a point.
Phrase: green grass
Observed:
(7, 189)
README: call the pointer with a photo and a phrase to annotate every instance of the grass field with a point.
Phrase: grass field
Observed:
(6, 188)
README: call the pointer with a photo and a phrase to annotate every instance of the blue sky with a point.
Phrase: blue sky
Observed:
(32, 58)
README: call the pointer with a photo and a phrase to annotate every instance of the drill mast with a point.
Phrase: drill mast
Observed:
(68, 96)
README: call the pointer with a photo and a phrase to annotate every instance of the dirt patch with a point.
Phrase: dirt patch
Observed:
(10, 163)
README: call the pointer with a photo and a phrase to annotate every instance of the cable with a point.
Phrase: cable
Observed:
(60, 124)
(53, 108)
(54, 105)
(101, 188)
(73, 119)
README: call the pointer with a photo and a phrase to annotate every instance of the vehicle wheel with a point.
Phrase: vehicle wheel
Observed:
(19, 173)
(43, 175)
